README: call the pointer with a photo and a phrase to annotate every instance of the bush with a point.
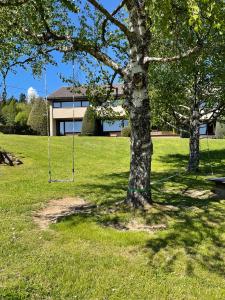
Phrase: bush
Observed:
(89, 124)
(38, 117)
(220, 130)
(9, 112)
(22, 118)
(126, 131)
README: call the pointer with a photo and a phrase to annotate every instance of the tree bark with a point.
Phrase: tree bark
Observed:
(136, 91)
(194, 156)
(139, 188)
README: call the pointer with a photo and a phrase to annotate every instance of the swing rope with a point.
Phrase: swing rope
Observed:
(50, 180)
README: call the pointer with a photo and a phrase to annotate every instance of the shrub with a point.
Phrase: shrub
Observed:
(89, 124)
(220, 130)
(126, 131)
(22, 118)
(9, 112)
(38, 117)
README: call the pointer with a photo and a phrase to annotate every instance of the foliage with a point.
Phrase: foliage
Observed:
(22, 98)
(14, 116)
(38, 117)
(191, 92)
(89, 123)
(9, 112)
(22, 118)
(126, 131)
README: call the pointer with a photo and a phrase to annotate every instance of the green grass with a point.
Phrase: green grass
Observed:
(81, 259)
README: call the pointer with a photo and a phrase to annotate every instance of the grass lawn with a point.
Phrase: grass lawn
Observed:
(79, 258)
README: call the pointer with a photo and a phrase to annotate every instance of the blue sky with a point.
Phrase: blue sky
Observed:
(22, 80)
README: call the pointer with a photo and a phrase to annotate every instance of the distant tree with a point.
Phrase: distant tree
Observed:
(38, 117)
(191, 92)
(9, 112)
(22, 97)
(89, 124)
(21, 118)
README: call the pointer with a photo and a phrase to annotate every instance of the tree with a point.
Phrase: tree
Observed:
(22, 98)
(22, 116)
(9, 112)
(38, 117)
(107, 40)
(191, 93)
(89, 124)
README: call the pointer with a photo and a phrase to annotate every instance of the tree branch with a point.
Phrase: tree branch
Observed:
(86, 46)
(173, 58)
(104, 24)
(215, 113)
(110, 17)
(76, 44)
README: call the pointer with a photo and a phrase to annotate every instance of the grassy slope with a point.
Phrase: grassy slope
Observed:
(80, 259)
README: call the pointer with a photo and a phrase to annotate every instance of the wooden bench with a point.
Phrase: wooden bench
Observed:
(219, 186)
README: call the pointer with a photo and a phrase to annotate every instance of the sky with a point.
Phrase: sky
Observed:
(22, 80)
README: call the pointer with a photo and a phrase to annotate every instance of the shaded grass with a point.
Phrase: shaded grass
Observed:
(81, 259)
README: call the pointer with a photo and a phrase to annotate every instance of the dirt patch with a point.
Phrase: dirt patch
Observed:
(199, 194)
(55, 210)
(134, 225)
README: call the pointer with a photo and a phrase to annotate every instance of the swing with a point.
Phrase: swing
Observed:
(50, 179)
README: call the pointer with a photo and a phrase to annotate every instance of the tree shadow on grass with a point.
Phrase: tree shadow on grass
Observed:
(195, 226)
(193, 238)
(209, 160)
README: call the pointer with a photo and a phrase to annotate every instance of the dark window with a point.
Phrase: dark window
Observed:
(62, 128)
(203, 129)
(114, 126)
(66, 127)
(71, 104)
(85, 103)
(71, 127)
(56, 104)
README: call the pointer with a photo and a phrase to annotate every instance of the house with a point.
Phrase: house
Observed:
(68, 106)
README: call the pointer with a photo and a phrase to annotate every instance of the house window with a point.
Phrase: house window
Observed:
(57, 104)
(203, 129)
(68, 127)
(85, 103)
(70, 104)
(114, 126)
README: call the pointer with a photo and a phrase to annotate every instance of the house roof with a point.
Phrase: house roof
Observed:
(66, 93)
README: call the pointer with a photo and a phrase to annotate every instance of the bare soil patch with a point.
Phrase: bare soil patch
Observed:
(134, 225)
(199, 194)
(55, 210)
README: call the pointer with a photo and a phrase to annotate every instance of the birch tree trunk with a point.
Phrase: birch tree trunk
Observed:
(136, 89)
(194, 156)
(139, 189)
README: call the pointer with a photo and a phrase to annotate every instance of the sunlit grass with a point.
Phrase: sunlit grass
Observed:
(79, 258)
